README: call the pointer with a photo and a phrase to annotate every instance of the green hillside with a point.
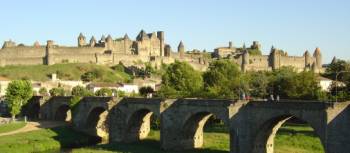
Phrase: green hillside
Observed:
(64, 72)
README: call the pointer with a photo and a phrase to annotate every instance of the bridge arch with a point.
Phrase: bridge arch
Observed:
(139, 124)
(266, 132)
(130, 119)
(63, 113)
(95, 121)
(193, 127)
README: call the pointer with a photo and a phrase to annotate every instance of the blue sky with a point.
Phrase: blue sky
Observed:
(294, 26)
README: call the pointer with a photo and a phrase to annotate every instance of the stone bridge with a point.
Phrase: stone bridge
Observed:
(252, 124)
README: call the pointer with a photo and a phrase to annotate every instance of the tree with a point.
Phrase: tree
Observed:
(104, 92)
(43, 91)
(149, 70)
(81, 91)
(222, 80)
(144, 91)
(18, 93)
(89, 76)
(287, 83)
(181, 80)
(258, 83)
(331, 71)
(59, 91)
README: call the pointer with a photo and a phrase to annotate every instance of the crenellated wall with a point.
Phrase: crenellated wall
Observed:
(148, 47)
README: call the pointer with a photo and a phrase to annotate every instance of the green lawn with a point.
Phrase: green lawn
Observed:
(11, 127)
(297, 139)
(290, 139)
(42, 140)
(71, 71)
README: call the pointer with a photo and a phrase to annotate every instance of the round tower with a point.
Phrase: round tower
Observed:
(81, 40)
(181, 49)
(318, 57)
(92, 41)
(109, 41)
(275, 58)
(307, 59)
(334, 60)
(49, 47)
(245, 60)
(167, 50)
(161, 37)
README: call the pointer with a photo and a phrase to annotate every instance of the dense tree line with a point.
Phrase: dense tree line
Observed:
(223, 79)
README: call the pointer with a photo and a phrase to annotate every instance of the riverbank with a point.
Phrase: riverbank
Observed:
(45, 139)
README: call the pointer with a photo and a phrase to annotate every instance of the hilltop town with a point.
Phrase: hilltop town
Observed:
(151, 48)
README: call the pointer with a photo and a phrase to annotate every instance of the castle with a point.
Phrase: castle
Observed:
(151, 47)
(276, 59)
(148, 47)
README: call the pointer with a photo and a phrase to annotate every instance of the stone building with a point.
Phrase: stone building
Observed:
(148, 47)
(152, 48)
(276, 59)
(222, 52)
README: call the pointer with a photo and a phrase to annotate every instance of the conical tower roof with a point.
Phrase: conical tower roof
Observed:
(181, 44)
(317, 51)
(334, 60)
(126, 37)
(109, 37)
(81, 35)
(92, 38)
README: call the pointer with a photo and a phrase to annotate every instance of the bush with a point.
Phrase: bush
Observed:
(89, 76)
(59, 91)
(81, 91)
(144, 91)
(104, 92)
(43, 91)
(119, 68)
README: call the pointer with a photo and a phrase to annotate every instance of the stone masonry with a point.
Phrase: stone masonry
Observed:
(252, 124)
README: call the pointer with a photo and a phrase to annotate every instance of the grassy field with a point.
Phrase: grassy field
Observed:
(11, 127)
(290, 139)
(297, 139)
(72, 71)
(42, 140)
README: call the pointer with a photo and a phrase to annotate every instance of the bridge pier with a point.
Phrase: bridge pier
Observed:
(130, 119)
(184, 120)
(252, 125)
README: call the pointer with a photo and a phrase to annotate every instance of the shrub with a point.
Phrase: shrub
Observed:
(59, 91)
(104, 92)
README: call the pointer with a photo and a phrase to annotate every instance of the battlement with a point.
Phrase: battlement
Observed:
(146, 47)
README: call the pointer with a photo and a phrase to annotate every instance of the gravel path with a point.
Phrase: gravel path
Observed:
(32, 126)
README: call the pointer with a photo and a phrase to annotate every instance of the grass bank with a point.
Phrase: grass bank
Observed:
(45, 139)
(68, 71)
(290, 138)
(11, 127)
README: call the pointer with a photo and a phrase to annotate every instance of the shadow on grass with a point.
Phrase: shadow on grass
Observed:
(283, 131)
(70, 138)
(149, 146)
